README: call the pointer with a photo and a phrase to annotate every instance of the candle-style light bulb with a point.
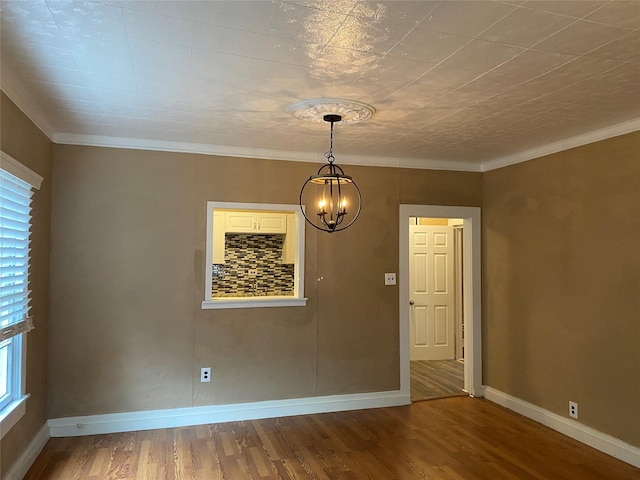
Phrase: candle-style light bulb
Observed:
(343, 205)
(321, 206)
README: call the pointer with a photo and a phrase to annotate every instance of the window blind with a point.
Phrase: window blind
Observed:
(15, 214)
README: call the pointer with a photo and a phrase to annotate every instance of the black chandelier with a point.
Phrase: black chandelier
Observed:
(335, 193)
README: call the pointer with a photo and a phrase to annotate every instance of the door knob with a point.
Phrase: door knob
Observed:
(411, 302)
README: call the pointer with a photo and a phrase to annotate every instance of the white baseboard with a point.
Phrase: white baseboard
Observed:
(576, 430)
(24, 461)
(180, 417)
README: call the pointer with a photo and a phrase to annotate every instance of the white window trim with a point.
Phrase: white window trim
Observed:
(297, 300)
(11, 165)
(253, 302)
(11, 414)
(14, 411)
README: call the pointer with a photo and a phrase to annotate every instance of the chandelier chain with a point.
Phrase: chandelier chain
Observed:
(329, 155)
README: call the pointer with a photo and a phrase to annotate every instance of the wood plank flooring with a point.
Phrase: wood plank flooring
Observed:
(457, 438)
(436, 379)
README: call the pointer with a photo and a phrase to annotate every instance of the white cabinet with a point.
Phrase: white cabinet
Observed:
(290, 245)
(218, 237)
(240, 222)
(255, 222)
(272, 222)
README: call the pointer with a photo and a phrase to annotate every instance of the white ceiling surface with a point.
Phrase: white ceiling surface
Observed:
(455, 84)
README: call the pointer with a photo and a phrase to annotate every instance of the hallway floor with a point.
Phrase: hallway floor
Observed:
(436, 379)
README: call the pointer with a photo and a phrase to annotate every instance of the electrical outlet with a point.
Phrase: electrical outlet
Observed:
(573, 409)
(252, 272)
(389, 278)
(205, 374)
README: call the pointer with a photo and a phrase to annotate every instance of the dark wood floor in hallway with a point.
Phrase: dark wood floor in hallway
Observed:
(436, 379)
(457, 438)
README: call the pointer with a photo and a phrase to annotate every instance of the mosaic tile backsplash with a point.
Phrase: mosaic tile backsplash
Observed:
(253, 267)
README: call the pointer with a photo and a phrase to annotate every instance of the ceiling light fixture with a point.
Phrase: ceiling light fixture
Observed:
(337, 196)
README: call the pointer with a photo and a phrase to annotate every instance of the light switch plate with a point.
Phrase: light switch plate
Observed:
(389, 278)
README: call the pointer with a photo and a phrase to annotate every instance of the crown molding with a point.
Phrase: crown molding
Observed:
(434, 164)
(611, 131)
(22, 99)
(259, 153)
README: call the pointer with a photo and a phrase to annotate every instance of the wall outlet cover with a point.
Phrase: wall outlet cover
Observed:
(573, 409)
(389, 278)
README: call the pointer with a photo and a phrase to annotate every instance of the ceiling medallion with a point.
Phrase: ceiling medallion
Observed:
(315, 110)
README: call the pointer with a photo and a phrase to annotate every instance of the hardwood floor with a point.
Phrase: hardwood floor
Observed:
(436, 379)
(457, 438)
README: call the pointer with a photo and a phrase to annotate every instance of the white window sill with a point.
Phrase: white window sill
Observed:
(11, 414)
(253, 302)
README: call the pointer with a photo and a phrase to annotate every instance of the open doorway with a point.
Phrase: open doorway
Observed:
(436, 313)
(469, 345)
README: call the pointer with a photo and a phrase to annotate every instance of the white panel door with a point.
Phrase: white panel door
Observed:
(431, 292)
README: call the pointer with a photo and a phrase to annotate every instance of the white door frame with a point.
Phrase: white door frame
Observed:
(472, 280)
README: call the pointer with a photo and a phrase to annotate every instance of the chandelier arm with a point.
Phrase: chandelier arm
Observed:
(323, 213)
(331, 207)
(340, 215)
(302, 209)
(357, 214)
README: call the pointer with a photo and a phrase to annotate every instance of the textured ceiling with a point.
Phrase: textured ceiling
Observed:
(455, 84)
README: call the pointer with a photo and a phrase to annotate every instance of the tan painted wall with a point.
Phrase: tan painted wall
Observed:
(127, 332)
(562, 283)
(24, 142)
(128, 240)
(439, 187)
